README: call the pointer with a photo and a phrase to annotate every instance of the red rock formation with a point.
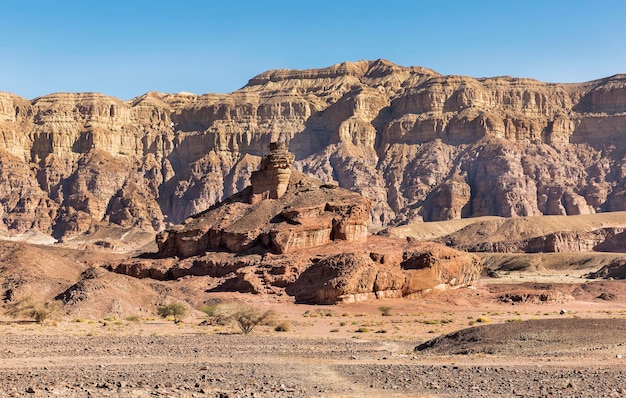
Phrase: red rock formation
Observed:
(272, 179)
(289, 218)
(281, 215)
(339, 272)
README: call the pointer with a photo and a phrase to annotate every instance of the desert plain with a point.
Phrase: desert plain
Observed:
(513, 335)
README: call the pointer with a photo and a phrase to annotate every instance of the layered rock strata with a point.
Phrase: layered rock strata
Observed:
(421, 146)
(301, 238)
(283, 210)
(555, 234)
(272, 179)
(339, 272)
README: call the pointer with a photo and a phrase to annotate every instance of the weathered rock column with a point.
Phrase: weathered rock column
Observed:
(272, 179)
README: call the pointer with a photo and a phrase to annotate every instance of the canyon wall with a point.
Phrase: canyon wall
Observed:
(419, 145)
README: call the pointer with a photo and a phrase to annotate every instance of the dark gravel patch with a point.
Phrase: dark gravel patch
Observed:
(544, 337)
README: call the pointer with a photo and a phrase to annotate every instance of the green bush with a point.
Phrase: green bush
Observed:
(175, 310)
(211, 310)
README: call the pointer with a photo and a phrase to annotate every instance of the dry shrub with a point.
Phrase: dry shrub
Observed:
(249, 317)
(284, 326)
(175, 310)
(385, 309)
(30, 308)
(245, 316)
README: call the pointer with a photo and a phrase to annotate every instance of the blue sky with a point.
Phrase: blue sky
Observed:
(127, 48)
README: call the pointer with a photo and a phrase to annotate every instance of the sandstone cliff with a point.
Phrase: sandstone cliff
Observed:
(419, 145)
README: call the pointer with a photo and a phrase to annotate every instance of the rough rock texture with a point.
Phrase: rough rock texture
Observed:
(351, 277)
(555, 234)
(614, 270)
(282, 210)
(420, 145)
(339, 272)
(272, 179)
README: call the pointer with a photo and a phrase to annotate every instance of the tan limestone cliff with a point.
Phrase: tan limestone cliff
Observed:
(419, 145)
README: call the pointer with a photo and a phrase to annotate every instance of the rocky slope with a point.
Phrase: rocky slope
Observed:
(339, 272)
(289, 234)
(420, 145)
(602, 232)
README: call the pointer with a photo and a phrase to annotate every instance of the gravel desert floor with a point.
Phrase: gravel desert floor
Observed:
(488, 348)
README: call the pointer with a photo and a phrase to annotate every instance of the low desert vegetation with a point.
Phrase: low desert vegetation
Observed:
(28, 307)
(318, 312)
(385, 310)
(246, 317)
(249, 317)
(284, 326)
(174, 310)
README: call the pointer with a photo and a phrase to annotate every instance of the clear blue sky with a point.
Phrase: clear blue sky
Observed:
(127, 48)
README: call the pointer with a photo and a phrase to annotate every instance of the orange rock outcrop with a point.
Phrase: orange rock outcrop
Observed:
(281, 211)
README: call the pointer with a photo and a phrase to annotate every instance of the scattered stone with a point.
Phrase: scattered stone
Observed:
(607, 296)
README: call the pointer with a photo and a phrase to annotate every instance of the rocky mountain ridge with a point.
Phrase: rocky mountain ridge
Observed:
(601, 232)
(419, 145)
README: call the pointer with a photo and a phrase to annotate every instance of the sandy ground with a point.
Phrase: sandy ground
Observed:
(327, 351)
